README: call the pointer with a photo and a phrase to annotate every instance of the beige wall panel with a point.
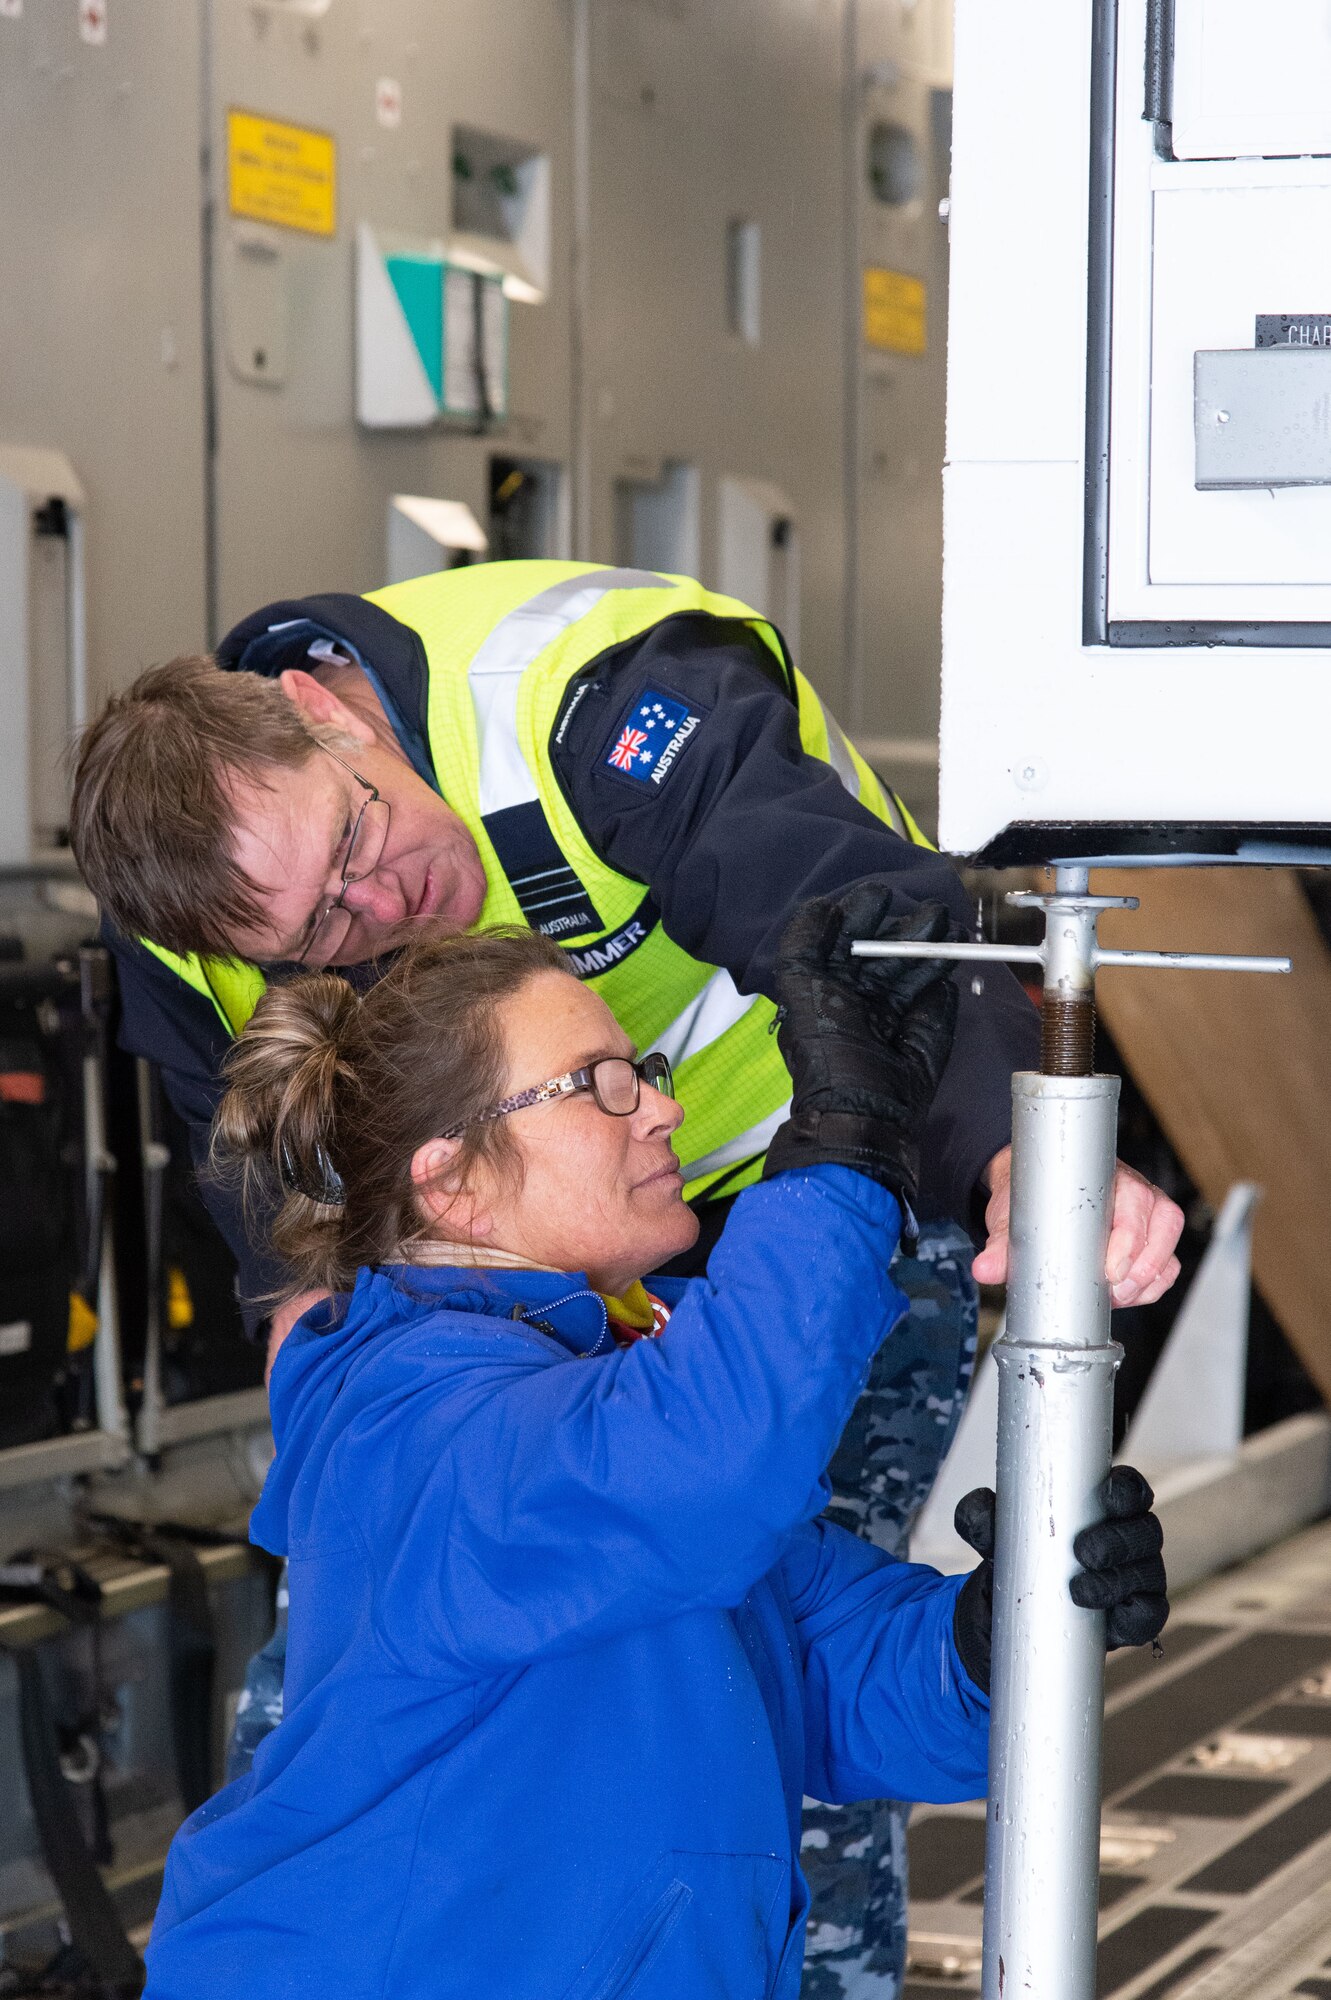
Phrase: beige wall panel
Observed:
(100, 289)
(700, 113)
(706, 111)
(903, 80)
(303, 490)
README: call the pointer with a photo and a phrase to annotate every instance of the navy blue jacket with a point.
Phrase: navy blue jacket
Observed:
(568, 1640)
(745, 830)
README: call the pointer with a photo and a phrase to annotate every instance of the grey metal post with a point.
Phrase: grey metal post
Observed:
(99, 1171)
(1055, 1412)
(154, 1158)
(1056, 1367)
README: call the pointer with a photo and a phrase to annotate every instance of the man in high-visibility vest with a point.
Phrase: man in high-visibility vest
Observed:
(633, 765)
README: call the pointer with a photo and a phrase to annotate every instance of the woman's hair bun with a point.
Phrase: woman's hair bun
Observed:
(330, 1096)
(284, 1077)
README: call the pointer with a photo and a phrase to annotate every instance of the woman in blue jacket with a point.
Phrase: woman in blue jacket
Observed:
(568, 1640)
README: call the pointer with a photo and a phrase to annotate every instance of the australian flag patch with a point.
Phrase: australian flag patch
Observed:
(650, 740)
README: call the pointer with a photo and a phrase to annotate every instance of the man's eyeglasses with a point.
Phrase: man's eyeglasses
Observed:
(614, 1081)
(365, 847)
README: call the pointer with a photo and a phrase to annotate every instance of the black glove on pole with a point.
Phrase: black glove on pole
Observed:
(1122, 1570)
(865, 1039)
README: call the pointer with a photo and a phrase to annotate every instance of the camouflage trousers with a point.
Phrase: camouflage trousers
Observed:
(259, 1709)
(855, 1856)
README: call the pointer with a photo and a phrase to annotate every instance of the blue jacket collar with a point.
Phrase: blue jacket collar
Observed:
(561, 1304)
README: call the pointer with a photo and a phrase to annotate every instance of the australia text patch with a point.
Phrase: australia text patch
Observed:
(649, 741)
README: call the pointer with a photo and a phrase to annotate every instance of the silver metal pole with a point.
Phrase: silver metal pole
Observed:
(1038, 954)
(76, 597)
(960, 948)
(1192, 961)
(110, 1405)
(99, 1173)
(155, 1158)
(1056, 1367)
(1055, 1416)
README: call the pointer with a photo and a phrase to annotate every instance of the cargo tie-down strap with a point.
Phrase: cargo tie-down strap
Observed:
(95, 1929)
(66, 1587)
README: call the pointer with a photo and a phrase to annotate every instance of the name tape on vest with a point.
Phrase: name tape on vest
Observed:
(650, 740)
(589, 960)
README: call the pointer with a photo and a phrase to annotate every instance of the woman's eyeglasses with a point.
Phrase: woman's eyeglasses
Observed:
(614, 1081)
(365, 847)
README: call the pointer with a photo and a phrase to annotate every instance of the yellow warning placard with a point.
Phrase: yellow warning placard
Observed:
(895, 311)
(281, 173)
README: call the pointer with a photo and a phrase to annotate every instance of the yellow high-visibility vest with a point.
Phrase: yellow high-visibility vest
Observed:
(503, 641)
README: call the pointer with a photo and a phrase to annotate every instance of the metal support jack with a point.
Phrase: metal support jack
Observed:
(1186, 1433)
(1056, 1364)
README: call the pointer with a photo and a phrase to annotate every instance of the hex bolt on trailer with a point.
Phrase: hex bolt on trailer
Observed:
(1056, 1364)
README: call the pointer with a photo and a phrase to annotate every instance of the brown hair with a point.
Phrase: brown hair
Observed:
(330, 1094)
(152, 815)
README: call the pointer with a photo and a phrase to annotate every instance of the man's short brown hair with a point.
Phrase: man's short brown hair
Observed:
(152, 816)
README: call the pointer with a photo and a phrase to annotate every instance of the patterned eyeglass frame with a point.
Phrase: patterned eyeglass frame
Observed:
(653, 1069)
(372, 798)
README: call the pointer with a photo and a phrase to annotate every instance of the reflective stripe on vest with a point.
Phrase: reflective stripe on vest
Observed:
(503, 643)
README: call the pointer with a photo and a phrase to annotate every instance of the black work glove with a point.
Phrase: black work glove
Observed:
(1122, 1570)
(865, 1039)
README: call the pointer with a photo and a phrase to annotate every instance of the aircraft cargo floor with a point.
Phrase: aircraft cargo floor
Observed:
(1216, 1832)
